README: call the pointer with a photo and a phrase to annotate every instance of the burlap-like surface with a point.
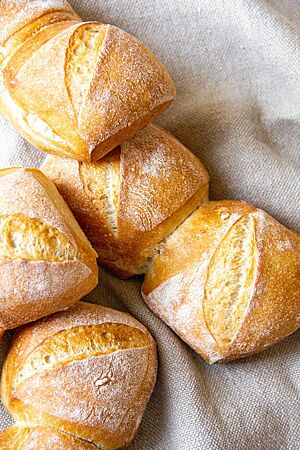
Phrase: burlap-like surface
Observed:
(236, 64)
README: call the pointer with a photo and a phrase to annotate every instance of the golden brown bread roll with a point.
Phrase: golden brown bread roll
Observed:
(46, 262)
(88, 371)
(20, 437)
(75, 89)
(227, 281)
(131, 199)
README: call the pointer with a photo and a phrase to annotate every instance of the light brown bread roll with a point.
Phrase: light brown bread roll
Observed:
(130, 200)
(88, 371)
(20, 437)
(75, 89)
(227, 281)
(46, 262)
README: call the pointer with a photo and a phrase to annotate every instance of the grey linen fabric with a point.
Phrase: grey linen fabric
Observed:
(236, 65)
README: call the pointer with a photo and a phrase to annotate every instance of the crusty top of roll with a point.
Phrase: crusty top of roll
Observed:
(235, 288)
(20, 437)
(43, 251)
(124, 202)
(88, 371)
(17, 15)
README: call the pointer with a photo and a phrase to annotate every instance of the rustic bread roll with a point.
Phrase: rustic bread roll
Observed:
(40, 438)
(76, 89)
(88, 371)
(133, 198)
(46, 262)
(227, 281)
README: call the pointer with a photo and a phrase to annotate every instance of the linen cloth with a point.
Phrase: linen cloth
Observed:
(236, 65)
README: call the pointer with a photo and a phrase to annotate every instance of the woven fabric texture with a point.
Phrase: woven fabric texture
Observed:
(236, 65)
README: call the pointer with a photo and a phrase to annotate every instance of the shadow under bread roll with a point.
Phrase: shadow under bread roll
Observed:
(227, 281)
(133, 198)
(72, 88)
(88, 371)
(46, 262)
(20, 437)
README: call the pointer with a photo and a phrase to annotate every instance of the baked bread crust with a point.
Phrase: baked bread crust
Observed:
(20, 437)
(238, 277)
(88, 371)
(124, 202)
(43, 251)
(19, 17)
(100, 84)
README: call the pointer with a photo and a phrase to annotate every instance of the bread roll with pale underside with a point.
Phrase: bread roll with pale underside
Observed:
(88, 371)
(40, 438)
(46, 262)
(75, 89)
(227, 281)
(131, 199)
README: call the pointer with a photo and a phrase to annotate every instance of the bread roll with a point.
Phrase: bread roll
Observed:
(227, 281)
(46, 262)
(76, 89)
(40, 438)
(129, 201)
(88, 371)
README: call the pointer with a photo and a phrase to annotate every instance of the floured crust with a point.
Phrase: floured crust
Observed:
(139, 89)
(22, 237)
(97, 397)
(124, 202)
(17, 15)
(54, 108)
(106, 88)
(20, 437)
(275, 304)
(43, 252)
(264, 305)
